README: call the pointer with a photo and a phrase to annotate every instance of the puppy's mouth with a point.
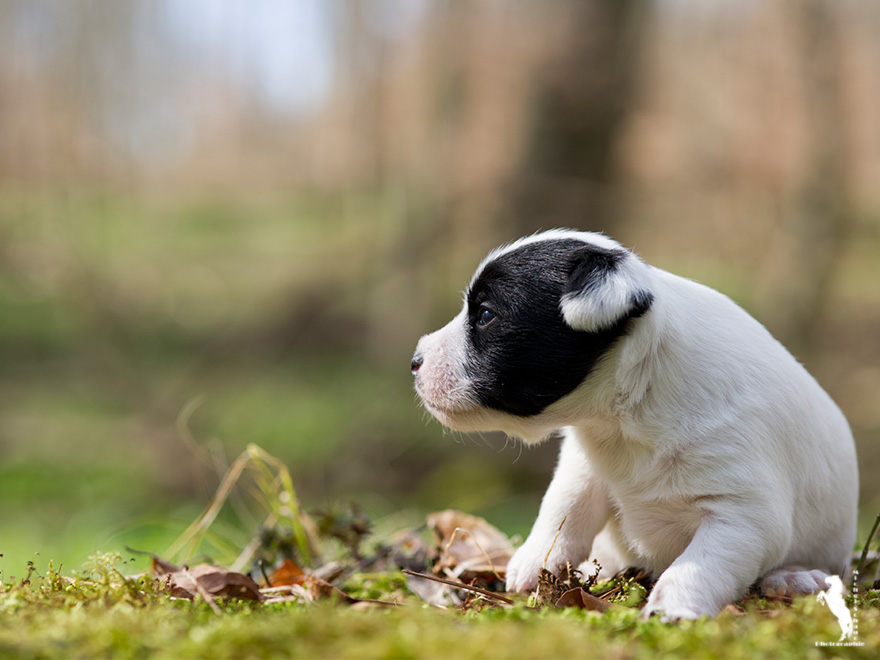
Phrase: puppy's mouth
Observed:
(457, 419)
(448, 410)
(439, 409)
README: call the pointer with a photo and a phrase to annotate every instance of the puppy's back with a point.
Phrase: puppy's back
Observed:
(728, 379)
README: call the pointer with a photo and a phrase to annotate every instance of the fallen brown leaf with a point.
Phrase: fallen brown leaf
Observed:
(567, 588)
(217, 581)
(469, 545)
(584, 600)
(320, 589)
(287, 574)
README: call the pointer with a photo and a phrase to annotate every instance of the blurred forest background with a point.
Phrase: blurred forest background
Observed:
(226, 222)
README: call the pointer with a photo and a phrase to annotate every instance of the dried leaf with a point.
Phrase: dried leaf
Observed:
(320, 589)
(161, 567)
(411, 551)
(584, 600)
(564, 587)
(550, 589)
(217, 581)
(434, 593)
(469, 544)
(287, 574)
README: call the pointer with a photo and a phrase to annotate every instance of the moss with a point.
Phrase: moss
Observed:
(100, 613)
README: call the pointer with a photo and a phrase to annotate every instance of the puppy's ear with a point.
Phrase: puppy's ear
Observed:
(605, 287)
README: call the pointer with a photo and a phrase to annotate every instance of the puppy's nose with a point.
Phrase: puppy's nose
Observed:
(416, 363)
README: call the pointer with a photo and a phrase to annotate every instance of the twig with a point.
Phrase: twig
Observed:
(462, 567)
(189, 538)
(263, 571)
(275, 590)
(289, 593)
(553, 545)
(867, 545)
(613, 590)
(253, 545)
(255, 458)
(283, 599)
(460, 585)
(183, 430)
(208, 598)
(547, 556)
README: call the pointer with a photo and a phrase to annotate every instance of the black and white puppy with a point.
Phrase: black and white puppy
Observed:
(695, 446)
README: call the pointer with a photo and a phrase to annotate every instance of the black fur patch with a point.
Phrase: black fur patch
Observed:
(526, 357)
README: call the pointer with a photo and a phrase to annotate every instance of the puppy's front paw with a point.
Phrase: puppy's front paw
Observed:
(669, 610)
(673, 600)
(526, 564)
(670, 615)
(524, 568)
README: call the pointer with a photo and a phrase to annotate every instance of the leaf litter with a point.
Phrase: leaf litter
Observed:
(453, 560)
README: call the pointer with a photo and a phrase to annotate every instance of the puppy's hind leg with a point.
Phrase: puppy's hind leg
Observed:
(790, 581)
(719, 564)
(610, 552)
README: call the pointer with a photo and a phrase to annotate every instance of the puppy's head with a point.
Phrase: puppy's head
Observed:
(537, 317)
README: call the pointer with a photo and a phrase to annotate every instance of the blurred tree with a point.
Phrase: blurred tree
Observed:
(826, 216)
(816, 216)
(582, 94)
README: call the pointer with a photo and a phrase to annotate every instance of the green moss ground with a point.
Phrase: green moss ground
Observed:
(105, 617)
(185, 630)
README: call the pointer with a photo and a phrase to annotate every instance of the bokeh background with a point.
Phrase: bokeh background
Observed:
(227, 222)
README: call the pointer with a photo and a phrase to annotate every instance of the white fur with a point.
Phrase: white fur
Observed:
(443, 382)
(699, 448)
(602, 307)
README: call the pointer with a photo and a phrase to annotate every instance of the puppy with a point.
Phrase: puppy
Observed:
(694, 445)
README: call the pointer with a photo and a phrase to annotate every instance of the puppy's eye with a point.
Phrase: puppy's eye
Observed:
(486, 317)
